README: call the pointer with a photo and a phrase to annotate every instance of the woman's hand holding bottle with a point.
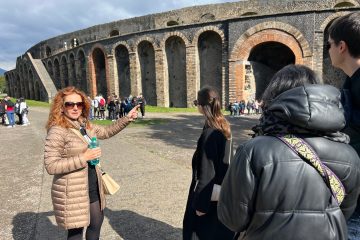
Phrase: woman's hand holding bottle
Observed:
(92, 153)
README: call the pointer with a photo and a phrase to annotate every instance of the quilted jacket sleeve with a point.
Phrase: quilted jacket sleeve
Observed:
(55, 158)
(103, 132)
(237, 191)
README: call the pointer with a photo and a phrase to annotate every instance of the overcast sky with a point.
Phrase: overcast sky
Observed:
(24, 23)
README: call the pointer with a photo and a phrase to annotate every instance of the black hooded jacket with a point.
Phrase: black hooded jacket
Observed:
(269, 192)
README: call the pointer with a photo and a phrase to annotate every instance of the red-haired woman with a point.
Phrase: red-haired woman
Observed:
(209, 165)
(77, 193)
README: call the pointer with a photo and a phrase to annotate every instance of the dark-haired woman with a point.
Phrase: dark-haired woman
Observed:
(77, 193)
(298, 178)
(209, 165)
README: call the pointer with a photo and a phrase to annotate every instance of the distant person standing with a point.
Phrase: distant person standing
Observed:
(95, 103)
(24, 110)
(10, 108)
(344, 50)
(141, 100)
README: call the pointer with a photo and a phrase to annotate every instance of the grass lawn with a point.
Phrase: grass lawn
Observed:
(148, 108)
(137, 123)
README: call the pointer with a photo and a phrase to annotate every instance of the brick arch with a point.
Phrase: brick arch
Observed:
(91, 67)
(176, 34)
(123, 43)
(63, 56)
(147, 39)
(242, 52)
(277, 27)
(330, 18)
(78, 51)
(355, 3)
(71, 53)
(205, 29)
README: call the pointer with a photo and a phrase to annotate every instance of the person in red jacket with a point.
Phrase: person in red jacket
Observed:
(9, 106)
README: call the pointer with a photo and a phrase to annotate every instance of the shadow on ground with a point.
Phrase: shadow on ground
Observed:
(24, 226)
(185, 130)
(132, 226)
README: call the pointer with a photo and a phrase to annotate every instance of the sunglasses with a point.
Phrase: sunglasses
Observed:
(70, 105)
(328, 45)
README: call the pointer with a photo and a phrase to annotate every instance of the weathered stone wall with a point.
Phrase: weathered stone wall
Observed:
(205, 45)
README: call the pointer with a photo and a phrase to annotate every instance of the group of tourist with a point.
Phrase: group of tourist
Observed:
(297, 178)
(8, 110)
(116, 107)
(237, 109)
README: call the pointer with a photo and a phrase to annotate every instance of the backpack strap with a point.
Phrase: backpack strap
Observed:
(305, 151)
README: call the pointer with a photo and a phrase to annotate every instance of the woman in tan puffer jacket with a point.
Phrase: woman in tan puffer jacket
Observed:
(77, 193)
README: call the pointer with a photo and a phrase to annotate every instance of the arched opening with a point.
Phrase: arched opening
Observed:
(57, 80)
(37, 91)
(123, 69)
(81, 72)
(344, 5)
(64, 72)
(72, 73)
(146, 55)
(22, 82)
(50, 69)
(210, 60)
(264, 61)
(176, 61)
(48, 51)
(100, 71)
(31, 84)
(172, 23)
(26, 81)
(331, 75)
(249, 14)
(114, 33)
(18, 86)
(207, 17)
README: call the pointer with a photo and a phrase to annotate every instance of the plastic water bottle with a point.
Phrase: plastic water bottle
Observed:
(94, 143)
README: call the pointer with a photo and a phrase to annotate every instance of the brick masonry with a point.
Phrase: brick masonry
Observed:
(294, 24)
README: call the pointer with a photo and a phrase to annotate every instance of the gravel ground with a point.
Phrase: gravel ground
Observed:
(151, 163)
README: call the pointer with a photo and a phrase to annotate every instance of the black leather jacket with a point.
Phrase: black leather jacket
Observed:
(269, 192)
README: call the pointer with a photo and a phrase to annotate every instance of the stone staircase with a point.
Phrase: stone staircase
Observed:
(44, 77)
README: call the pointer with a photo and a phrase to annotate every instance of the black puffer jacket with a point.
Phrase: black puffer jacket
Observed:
(269, 192)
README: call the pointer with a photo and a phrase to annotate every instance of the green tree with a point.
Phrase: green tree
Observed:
(2, 84)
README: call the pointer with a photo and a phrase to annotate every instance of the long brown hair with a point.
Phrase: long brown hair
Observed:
(209, 100)
(56, 115)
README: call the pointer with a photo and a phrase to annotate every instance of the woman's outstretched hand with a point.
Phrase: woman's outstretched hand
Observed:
(133, 114)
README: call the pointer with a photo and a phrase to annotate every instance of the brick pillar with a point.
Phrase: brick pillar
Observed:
(70, 74)
(318, 53)
(91, 77)
(191, 74)
(110, 76)
(162, 87)
(135, 81)
(236, 80)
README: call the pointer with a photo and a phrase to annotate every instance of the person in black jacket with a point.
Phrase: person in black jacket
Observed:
(209, 165)
(270, 192)
(344, 50)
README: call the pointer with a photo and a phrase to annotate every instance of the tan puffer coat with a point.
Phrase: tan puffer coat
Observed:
(64, 159)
